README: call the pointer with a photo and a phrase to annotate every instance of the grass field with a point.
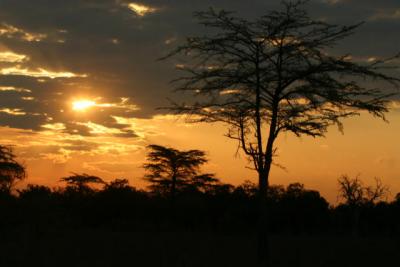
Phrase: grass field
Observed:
(89, 248)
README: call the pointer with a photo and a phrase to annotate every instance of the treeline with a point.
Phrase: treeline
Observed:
(222, 207)
(180, 197)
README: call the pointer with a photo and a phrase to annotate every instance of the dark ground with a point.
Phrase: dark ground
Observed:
(106, 248)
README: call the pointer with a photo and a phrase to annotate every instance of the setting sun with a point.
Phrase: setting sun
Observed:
(82, 105)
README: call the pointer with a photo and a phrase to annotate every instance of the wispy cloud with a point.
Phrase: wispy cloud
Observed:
(14, 89)
(389, 14)
(141, 9)
(10, 31)
(11, 57)
(40, 73)
(14, 111)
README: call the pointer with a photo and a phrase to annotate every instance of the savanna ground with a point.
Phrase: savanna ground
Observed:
(86, 248)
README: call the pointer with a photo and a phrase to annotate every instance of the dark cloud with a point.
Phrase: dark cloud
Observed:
(117, 50)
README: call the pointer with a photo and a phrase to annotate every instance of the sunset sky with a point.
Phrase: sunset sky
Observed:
(80, 85)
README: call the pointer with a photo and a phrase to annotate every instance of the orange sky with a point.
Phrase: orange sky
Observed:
(369, 147)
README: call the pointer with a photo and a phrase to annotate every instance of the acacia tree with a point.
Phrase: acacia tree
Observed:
(272, 75)
(10, 170)
(81, 182)
(169, 169)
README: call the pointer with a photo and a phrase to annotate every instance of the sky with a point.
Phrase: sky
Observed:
(80, 88)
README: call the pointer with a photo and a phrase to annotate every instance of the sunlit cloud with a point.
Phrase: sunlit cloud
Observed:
(394, 105)
(98, 129)
(86, 104)
(140, 9)
(28, 98)
(39, 73)
(82, 105)
(10, 31)
(12, 57)
(229, 91)
(15, 111)
(54, 126)
(14, 89)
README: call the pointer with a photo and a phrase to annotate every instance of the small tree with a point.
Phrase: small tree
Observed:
(81, 182)
(271, 75)
(11, 171)
(169, 170)
(356, 195)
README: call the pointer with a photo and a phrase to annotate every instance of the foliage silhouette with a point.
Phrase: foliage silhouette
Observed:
(81, 182)
(169, 170)
(354, 193)
(273, 75)
(11, 171)
(358, 197)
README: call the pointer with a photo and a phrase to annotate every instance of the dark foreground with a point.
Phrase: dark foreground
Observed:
(106, 248)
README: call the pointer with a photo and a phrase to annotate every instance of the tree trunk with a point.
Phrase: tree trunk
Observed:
(356, 221)
(173, 196)
(263, 233)
(263, 176)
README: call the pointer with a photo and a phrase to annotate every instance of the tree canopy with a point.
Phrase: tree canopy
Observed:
(81, 182)
(169, 170)
(11, 171)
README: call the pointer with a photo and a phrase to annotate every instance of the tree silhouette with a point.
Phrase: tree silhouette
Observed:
(10, 170)
(117, 184)
(169, 169)
(203, 182)
(356, 195)
(271, 75)
(81, 182)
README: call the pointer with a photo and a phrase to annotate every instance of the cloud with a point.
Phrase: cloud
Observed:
(39, 73)
(12, 57)
(14, 89)
(10, 31)
(15, 112)
(389, 14)
(141, 10)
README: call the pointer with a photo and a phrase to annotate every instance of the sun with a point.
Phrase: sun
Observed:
(82, 105)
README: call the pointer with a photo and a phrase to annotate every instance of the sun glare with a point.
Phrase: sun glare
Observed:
(82, 105)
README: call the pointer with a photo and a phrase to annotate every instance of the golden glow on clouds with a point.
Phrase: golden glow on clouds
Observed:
(82, 105)
(13, 111)
(140, 9)
(28, 98)
(14, 89)
(39, 73)
(11, 31)
(229, 91)
(85, 104)
(97, 129)
(12, 57)
(54, 126)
